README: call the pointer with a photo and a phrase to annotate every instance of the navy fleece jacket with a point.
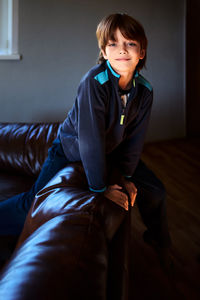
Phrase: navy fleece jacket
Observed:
(95, 128)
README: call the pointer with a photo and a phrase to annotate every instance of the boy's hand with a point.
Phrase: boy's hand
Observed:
(131, 190)
(114, 194)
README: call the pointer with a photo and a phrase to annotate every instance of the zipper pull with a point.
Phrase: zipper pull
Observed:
(122, 119)
(122, 116)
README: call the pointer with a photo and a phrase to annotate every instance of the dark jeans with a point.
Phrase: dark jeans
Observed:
(13, 211)
(150, 198)
(151, 201)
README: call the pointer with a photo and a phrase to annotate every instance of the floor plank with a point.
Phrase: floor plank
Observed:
(177, 164)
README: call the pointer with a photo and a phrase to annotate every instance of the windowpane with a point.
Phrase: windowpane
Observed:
(9, 29)
(3, 26)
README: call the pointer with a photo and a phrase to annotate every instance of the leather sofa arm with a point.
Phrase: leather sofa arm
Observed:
(64, 249)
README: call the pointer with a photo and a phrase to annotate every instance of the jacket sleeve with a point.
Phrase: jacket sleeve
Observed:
(131, 148)
(91, 132)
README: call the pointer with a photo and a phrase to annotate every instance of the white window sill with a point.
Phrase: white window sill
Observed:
(10, 56)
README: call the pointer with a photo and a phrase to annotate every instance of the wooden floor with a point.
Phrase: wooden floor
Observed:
(177, 164)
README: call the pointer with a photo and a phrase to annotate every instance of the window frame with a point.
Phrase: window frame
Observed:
(12, 36)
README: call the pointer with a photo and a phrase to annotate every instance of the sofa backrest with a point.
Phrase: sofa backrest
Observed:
(24, 146)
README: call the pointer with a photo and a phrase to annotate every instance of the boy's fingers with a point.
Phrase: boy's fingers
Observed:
(133, 200)
(115, 187)
(132, 191)
(120, 199)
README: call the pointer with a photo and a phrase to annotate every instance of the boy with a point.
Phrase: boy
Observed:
(105, 130)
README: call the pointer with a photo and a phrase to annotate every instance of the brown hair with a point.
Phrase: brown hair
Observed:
(130, 29)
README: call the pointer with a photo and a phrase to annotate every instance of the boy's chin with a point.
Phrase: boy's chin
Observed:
(123, 68)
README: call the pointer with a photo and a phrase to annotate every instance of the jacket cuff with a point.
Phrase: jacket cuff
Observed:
(127, 176)
(98, 191)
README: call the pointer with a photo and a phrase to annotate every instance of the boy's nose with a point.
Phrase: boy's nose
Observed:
(123, 50)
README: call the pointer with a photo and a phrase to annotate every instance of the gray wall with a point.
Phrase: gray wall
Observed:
(58, 45)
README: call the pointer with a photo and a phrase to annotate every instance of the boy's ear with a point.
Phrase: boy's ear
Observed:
(142, 53)
(104, 54)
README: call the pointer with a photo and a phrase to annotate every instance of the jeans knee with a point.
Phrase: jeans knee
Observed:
(152, 197)
(160, 192)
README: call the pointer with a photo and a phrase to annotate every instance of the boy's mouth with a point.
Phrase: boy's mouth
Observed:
(122, 59)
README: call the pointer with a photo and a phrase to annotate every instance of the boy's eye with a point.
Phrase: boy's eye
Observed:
(132, 44)
(112, 44)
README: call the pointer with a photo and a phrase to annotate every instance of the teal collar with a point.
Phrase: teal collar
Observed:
(111, 69)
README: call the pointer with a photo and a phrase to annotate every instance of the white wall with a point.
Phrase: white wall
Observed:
(58, 45)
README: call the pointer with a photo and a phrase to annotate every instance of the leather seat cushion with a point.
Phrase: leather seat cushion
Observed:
(12, 184)
(24, 146)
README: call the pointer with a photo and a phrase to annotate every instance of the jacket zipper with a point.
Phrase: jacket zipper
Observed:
(124, 100)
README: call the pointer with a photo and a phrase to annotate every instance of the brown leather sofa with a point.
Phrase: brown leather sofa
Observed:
(75, 243)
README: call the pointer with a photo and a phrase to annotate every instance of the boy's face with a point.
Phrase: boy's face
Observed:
(123, 54)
